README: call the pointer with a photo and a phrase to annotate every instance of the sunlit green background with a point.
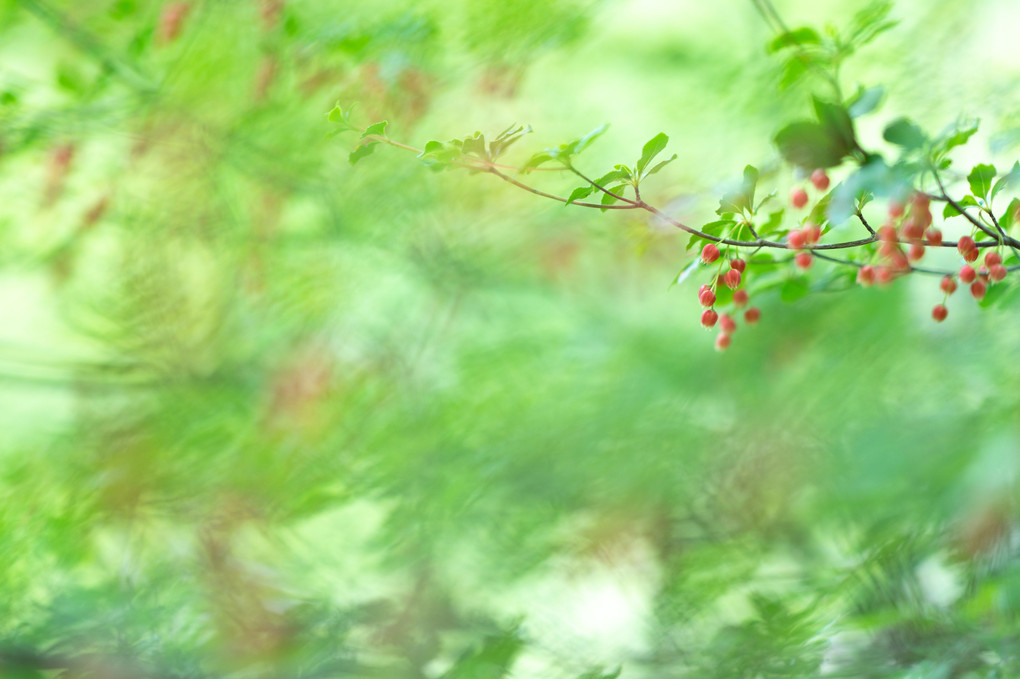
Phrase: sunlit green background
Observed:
(265, 414)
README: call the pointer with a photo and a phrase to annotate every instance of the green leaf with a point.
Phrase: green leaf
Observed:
(742, 199)
(837, 122)
(661, 165)
(772, 224)
(1011, 215)
(685, 273)
(609, 200)
(950, 211)
(361, 152)
(1008, 180)
(579, 193)
(475, 145)
(614, 176)
(869, 23)
(376, 129)
(505, 139)
(794, 69)
(820, 212)
(956, 134)
(342, 117)
(998, 293)
(540, 158)
(654, 147)
(980, 180)
(810, 145)
(865, 101)
(588, 139)
(794, 288)
(794, 38)
(715, 228)
(903, 132)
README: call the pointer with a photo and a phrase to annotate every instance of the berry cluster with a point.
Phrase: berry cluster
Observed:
(732, 279)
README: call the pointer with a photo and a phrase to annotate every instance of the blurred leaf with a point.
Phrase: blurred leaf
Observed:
(905, 133)
(794, 288)
(1008, 181)
(742, 199)
(376, 129)
(795, 38)
(811, 146)
(658, 166)
(865, 101)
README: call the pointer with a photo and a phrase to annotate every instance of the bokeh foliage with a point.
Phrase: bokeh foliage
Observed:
(266, 414)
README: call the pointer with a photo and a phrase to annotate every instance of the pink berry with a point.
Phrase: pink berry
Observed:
(916, 252)
(732, 279)
(722, 342)
(709, 253)
(727, 325)
(997, 273)
(912, 229)
(895, 210)
(752, 315)
(887, 234)
(708, 318)
(978, 288)
(738, 264)
(866, 276)
(965, 245)
(707, 298)
(884, 275)
(934, 237)
(740, 298)
(992, 258)
(939, 313)
(970, 255)
(948, 285)
(820, 179)
(803, 260)
(798, 198)
(967, 274)
(812, 233)
(796, 240)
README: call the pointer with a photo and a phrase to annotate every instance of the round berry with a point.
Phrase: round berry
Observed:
(992, 258)
(970, 255)
(967, 274)
(732, 279)
(939, 313)
(798, 198)
(934, 237)
(912, 229)
(740, 298)
(722, 342)
(707, 297)
(997, 273)
(884, 275)
(709, 253)
(948, 285)
(812, 233)
(803, 260)
(752, 315)
(866, 275)
(820, 179)
(887, 234)
(916, 252)
(965, 245)
(978, 288)
(738, 264)
(708, 318)
(727, 325)
(796, 240)
(896, 210)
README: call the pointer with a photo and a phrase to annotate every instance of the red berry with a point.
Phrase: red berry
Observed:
(740, 298)
(866, 276)
(916, 252)
(967, 274)
(939, 313)
(884, 275)
(798, 198)
(812, 233)
(709, 253)
(707, 298)
(912, 229)
(722, 342)
(738, 264)
(803, 260)
(978, 288)
(895, 210)
(948, 285)
(708, 318)
(899, 261)
(820, 179)
(732, 279)
(934, 237)
(796, 240)
(965, 245)
(727, 325)
(970, 255)
(997, 273)
(992, 258)
(887, 234)
(752, 315)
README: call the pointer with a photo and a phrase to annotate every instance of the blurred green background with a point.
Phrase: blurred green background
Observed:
(265, 414)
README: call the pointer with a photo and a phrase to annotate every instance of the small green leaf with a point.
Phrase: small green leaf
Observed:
(772, 224)
(865, 101)
(617, 175)
(652, 148)
(980, 180)
(794, 38)
(540, 158)
(376, 129)
(1011, 216)
(361, 152)
(903, 132)
(579, 193)
(685, 273)
(660, 165)
(1008, 180)
(810, 145)
(588, 139)
(608, 199)
(956, 134)
(794, 69)
(742, 199)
